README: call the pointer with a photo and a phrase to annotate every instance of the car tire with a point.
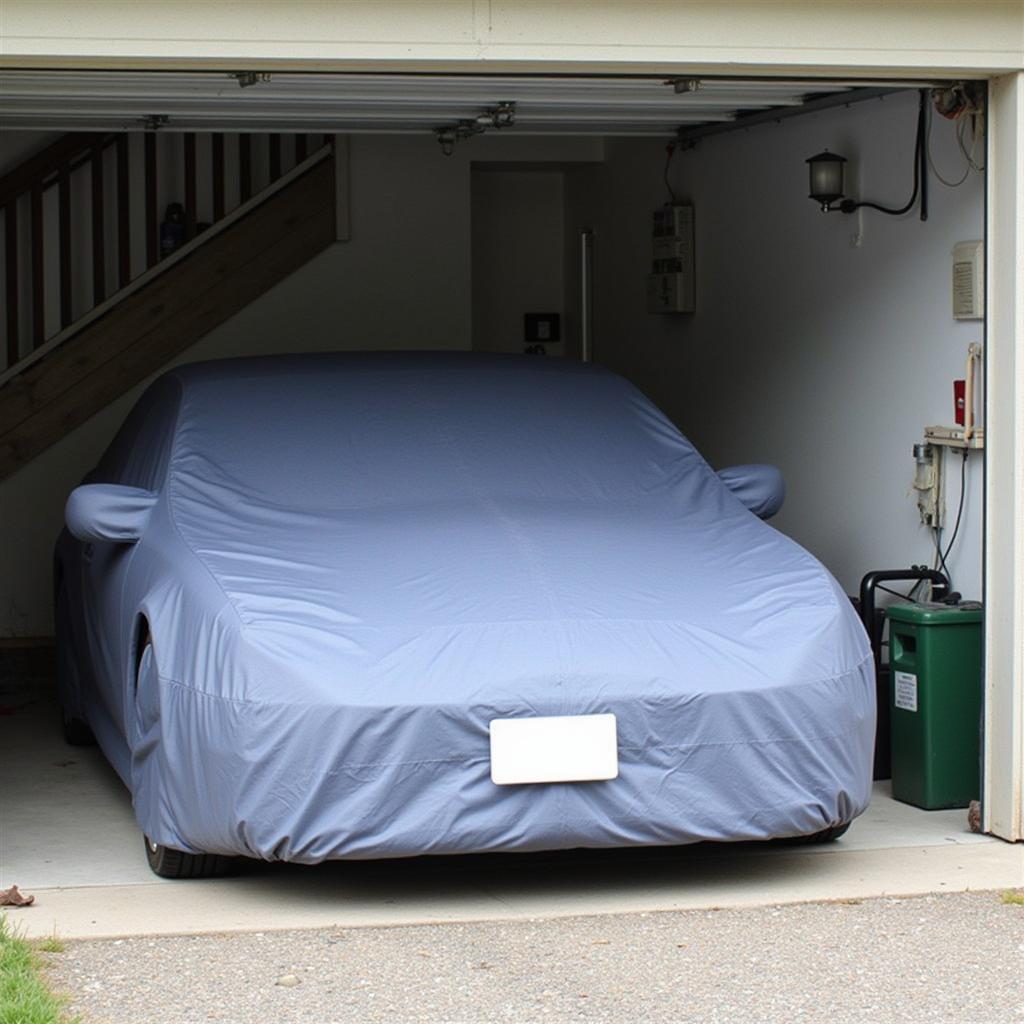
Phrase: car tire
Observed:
(168, 863)
(76, 730)
(826, 835)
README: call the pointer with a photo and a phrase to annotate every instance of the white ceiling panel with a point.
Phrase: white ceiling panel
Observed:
(216, 101)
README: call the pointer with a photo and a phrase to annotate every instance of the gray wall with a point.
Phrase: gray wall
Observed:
(518, 266)
(824, 358)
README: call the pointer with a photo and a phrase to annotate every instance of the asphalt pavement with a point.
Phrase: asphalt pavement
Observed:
(955, 958)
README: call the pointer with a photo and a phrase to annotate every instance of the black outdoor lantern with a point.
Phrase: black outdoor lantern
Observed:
(826, 180)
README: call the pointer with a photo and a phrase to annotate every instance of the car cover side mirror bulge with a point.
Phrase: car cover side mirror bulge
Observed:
(760, 487)
(111, 513)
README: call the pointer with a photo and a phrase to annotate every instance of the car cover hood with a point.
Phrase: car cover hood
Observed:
(377, 547)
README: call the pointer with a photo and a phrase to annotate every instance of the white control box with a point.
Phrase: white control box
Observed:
(670, 293)
(968, 281)
(671, 284)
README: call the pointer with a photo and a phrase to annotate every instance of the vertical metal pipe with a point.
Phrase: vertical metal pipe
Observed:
(98, 223)
(190, 186)
(275, 156)
(64, 240)
(217, 158)
(586, 294)
(152, 213)
(124, 213)
(244, 166)
(11, 294)
(38, 268)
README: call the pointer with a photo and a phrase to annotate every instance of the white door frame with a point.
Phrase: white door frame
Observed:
(1003, 757)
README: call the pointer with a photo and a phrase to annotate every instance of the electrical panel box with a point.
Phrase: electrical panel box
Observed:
(671, 284)
(968, 281)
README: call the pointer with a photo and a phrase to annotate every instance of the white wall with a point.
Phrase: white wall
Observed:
(826, 359)
(402, 282)
(688, 36)
(518, 265)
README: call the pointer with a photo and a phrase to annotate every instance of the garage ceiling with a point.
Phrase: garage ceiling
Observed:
(223, 101)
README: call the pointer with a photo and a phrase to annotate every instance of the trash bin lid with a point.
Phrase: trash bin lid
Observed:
(927, 613)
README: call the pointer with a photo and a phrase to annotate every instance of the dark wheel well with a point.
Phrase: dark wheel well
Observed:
(77, 731)
(141, 638)
(826, 835)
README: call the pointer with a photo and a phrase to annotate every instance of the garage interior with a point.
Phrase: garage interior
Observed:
(154, 217)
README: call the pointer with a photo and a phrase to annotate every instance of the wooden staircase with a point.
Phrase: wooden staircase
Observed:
(51, 385)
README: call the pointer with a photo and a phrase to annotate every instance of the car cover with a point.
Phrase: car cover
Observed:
(356, 563)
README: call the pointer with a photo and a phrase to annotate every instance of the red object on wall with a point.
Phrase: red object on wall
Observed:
(959, 400)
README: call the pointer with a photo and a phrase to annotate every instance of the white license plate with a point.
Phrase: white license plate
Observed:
(562, 748)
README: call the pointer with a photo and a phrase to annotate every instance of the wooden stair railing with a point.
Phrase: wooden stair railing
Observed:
(166, 309)
(80, 159)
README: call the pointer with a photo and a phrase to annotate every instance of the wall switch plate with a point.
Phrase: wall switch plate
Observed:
(542, 327)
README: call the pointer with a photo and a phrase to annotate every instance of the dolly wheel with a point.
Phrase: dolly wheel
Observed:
(76, 732)
(168, 863)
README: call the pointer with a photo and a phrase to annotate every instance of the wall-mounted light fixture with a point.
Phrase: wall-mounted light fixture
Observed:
(826, 184)
(826, 176)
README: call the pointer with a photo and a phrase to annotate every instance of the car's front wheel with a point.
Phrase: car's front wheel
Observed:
(168, 863)
(76, 731)
(826, 835)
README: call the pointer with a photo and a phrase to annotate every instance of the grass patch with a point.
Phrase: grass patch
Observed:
(1016, 897)
(51, 944)
(24, 997)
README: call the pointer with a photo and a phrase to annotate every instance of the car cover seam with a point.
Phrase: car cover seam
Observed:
(247, 702)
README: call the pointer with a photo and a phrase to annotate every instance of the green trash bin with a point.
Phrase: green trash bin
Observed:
(935, 703)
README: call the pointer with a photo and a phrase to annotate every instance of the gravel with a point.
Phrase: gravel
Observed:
(956, 958)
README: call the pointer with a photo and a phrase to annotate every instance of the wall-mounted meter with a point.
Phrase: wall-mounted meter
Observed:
(968, 281)
(670, 286)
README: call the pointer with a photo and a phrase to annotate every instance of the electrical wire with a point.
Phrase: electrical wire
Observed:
(968, 156)
(669, 151)
(959, 509)
(937, 531)
(848, 206)
(937, 538)
(931, 162)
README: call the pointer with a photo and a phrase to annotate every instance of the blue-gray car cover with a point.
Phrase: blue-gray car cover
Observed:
(354, 563)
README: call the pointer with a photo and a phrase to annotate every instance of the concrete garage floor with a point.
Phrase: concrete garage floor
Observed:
(67, 835)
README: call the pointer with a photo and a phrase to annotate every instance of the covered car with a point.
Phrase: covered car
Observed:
(301, 598)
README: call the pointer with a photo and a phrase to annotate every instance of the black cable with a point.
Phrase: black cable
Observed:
(922, 149)
(937, 531)
(936, 536)
(849, 205)
(959, 510)
(670, 150)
